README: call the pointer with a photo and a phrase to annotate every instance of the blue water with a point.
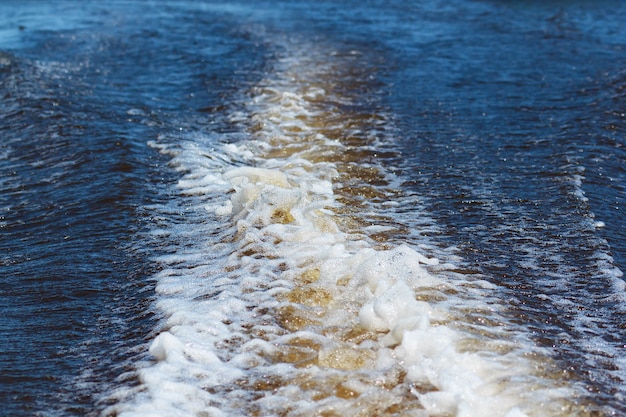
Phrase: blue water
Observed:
(524, 99)
(510, 125)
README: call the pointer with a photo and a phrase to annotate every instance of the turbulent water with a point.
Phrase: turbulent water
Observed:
(313, 208)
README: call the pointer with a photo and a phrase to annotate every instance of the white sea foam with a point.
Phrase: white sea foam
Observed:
(290, 293)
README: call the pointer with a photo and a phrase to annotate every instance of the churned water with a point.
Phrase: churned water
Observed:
(312, 209)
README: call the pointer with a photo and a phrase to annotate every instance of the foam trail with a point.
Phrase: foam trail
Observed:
(293, 290)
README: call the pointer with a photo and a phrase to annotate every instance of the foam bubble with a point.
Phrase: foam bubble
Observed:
(291, 290)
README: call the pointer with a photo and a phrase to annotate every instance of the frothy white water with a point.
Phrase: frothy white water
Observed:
(291, 291)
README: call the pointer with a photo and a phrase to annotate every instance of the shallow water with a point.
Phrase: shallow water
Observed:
(295, 209)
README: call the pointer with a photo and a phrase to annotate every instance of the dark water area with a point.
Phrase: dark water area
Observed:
(509, 118)
(523, 112)
(73, 180)
(78, 107)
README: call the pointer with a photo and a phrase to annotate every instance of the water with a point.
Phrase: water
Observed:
(295, 209)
